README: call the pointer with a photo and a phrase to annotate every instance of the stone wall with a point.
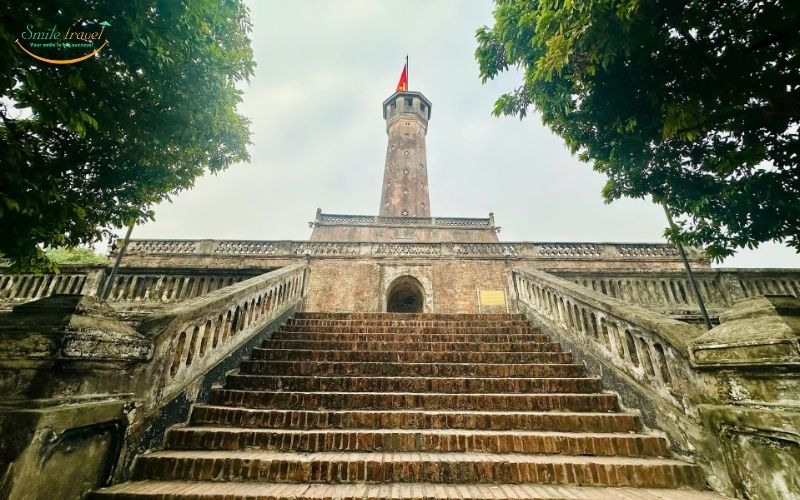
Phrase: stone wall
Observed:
(347, 285)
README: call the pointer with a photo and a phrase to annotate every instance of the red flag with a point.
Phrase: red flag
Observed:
(402, 85)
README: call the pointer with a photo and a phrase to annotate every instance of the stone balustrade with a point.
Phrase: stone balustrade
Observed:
(166, 286)
(401, 221)
(507, 250)
(15, 288)
(670, 292)
(196, 334)
(133, 287)
(727, 398)
(648, 347)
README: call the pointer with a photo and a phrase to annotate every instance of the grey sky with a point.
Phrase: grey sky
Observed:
(325, 66)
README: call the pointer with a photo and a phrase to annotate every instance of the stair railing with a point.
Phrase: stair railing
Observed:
(195, 335)
(648, 347)
(726, 398)
(641, 354)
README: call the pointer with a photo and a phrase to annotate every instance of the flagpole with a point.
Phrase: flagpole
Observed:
(407, 72)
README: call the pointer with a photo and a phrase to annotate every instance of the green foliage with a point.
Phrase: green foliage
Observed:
(94, 145)
(696, 103)
(78, 255)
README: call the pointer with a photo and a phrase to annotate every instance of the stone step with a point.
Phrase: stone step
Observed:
(467, 330)
(406, 322)
(198, 490)
(411, 316)
(322, 368)
(332, 345)
(412, 337)
(395, 400)
(440, 385)
(410, 356)
(556, 421)
(431, 440)
(449, 468)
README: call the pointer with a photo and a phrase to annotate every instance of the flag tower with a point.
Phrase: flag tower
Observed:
(405, 176)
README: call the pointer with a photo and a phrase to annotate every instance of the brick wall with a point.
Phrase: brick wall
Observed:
(451, 285)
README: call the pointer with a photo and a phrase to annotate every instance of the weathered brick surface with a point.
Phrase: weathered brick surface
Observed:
(439, 385)
(417, 440)
(378, 345)
(406, 319)
(449, 468)
(436, 318)
(500, 338)
(412, 356)
(359, 284)
(470, 328)
(204, 415)
(397, 400)
(411, 401)
(378, 369)
(189, 490)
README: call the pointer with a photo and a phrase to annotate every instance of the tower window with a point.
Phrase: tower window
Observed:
(408, 102)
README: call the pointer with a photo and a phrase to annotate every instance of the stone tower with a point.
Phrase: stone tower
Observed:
(405, 177)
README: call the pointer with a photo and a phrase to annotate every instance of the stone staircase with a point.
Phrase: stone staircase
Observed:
(410, 406)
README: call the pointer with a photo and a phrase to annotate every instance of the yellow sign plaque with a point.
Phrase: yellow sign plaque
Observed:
(493, 297)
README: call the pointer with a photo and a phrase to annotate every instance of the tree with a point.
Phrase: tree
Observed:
(93, 145)
(78, 255)
(694, 102)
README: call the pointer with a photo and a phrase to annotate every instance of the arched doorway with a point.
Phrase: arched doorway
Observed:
(405, 295)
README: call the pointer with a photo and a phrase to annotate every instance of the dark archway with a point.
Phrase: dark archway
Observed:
(405, 295)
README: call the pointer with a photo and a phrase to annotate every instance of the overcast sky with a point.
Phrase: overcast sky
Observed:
(319, 140)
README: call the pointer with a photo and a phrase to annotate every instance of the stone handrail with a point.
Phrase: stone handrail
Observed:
(669, 290)
(510, 250)
(132, 286)
(650, 348)
(15, 288)
(196, 334)
(727, 398)
(167, 285)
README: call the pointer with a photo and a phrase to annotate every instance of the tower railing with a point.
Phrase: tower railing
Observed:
(402, 221)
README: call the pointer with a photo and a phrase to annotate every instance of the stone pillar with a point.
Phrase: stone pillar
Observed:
(405, 177)
(753, 362)
(67, 371)
(731, 286)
